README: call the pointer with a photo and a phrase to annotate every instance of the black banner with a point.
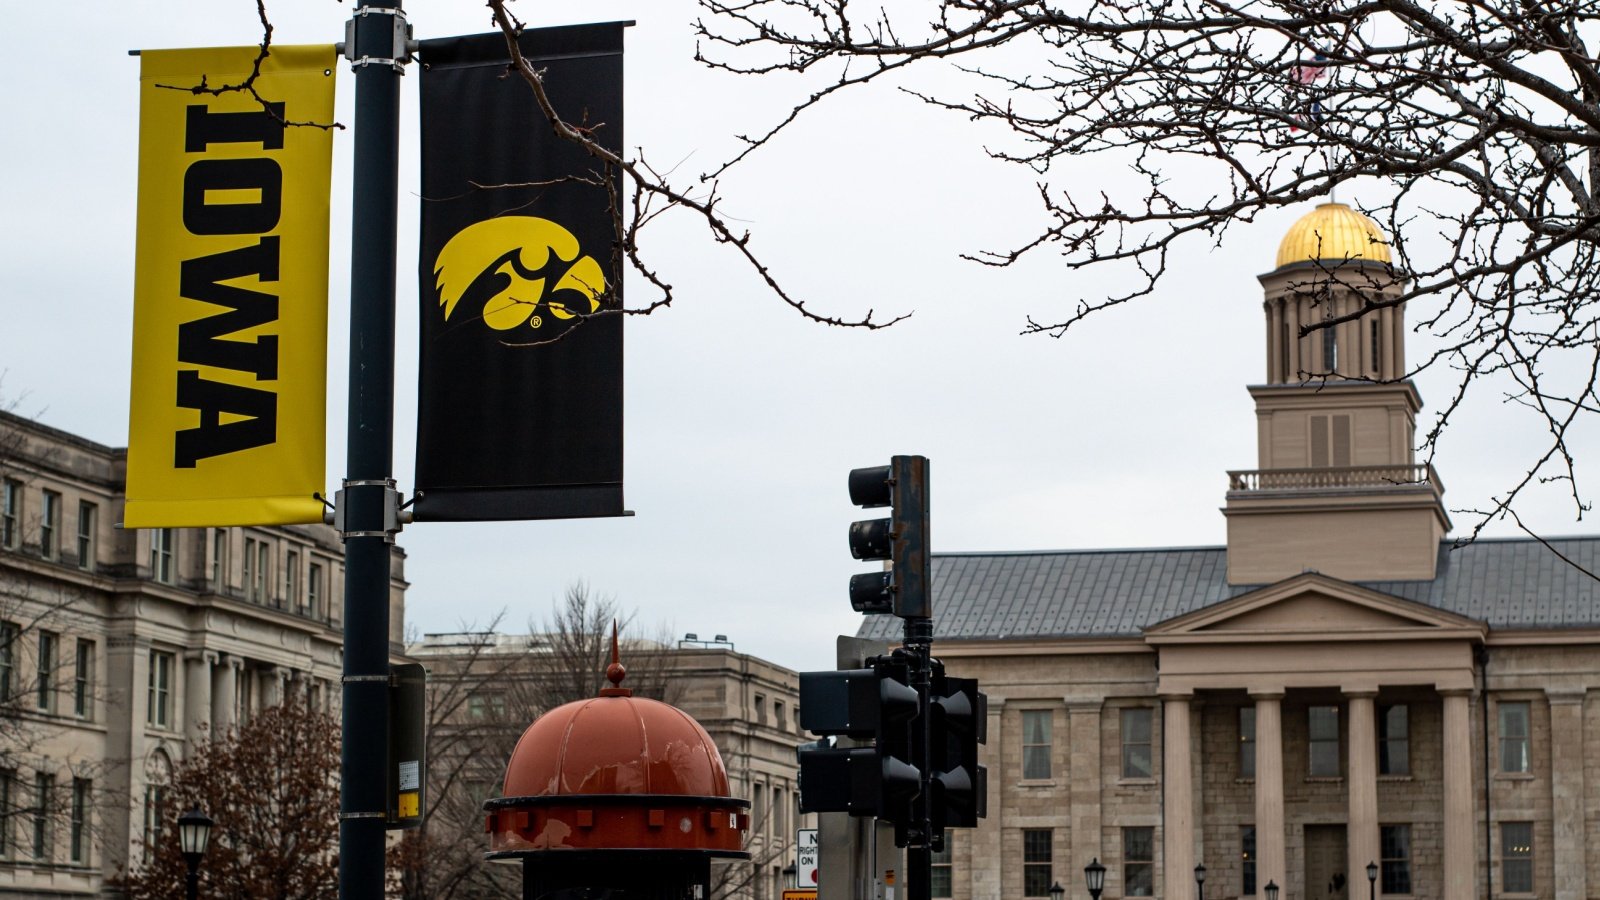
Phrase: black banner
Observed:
(519, 409)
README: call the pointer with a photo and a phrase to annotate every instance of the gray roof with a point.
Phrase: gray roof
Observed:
(1513, 583)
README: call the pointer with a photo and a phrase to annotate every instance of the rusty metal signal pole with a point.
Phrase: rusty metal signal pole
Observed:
(368, 508)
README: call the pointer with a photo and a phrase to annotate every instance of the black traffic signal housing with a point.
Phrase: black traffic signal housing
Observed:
(958, 723)
(873, 705)
(902, 538)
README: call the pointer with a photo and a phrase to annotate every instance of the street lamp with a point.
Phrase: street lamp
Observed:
(1372, 880)
(1272, 890)
(790, 876)
(1094, 875)
(1200, 881)
(194, 833)
(1057, 891)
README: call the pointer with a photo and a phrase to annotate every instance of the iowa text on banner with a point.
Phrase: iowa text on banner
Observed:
(230, 290)
(511, 425)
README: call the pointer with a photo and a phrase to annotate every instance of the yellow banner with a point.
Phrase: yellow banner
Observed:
(230, 321)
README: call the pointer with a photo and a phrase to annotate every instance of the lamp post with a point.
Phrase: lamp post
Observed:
(1372, 880)
(1200, 881)
(1057, 892)
(194, 834)
(1094, 875)
(791, 875)
(1272, 890)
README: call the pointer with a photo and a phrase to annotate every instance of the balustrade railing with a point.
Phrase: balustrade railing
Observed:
(1333, 478)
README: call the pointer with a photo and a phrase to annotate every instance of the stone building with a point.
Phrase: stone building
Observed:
(120, 649)
(748, 705)
(1336, 686)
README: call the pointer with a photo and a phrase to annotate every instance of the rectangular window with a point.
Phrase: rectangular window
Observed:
(50, 525)
(161, 555)
(1036, 872)
(49, 641)
(80, 820)
(777, 716)
(1394, 742)
(1136, 758)
(250, 571)
(9, 635)
(263, 554)
(1376, 346)
(43, 788)
(291, 580)
(1247, 745)
(941, 880)
(1323, 728)
(1514, 721)
(1035, 743)
(10, 513)
(1139, 862)
(159, 712)
(219, 560)
(314, 591)
(88, 521)
(1247, 858)
(155, 797)
(761, 708)
(1395, 848)
(83, 679)
(1330, 441)
(486, 706)
(1516, 857)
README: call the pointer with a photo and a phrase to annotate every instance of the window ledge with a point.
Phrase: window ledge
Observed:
(1136, 782)
(1037, 783)
(1324, 779)
(1396, 778)
(1245, 780)
(1514, 776)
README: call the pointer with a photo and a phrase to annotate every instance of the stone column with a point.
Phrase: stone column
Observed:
(1566, 788)
(1362, 778)
(270, 680)
(1177, 798)
(197, 694)
(225, 695)
(1270, 856)
(1291, 310)
(1460, 820)
(1083, 782)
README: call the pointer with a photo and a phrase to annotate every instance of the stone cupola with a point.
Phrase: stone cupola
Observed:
(1337, 488)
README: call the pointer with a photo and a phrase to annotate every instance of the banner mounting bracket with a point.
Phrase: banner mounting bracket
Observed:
(396, 514)
(400, 43)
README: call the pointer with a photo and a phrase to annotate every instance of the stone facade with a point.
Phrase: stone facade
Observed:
(120, 649)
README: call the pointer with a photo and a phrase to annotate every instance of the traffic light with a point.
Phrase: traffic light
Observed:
(873, 705)
(902, 538)
(958, 786)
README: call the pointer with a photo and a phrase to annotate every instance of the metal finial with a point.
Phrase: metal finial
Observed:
(616, 671)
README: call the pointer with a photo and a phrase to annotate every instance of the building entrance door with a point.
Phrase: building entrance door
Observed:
(1325, 863)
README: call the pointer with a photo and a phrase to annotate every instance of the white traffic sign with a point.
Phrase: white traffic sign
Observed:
(805, 864)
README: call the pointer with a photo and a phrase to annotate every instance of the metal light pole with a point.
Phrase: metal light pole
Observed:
(1372, 881)
(1057, 892)
(1272, 890)
(369, 504)
(194, 835)
(1094, 875)
(1200, 881)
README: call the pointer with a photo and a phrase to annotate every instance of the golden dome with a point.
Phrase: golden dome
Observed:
(1333, 231)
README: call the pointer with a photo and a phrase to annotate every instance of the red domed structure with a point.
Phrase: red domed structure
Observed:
(599, 790)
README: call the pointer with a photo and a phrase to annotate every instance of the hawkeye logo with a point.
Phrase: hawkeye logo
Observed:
(537, 268)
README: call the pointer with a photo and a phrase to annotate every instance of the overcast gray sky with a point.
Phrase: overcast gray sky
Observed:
(742, 418)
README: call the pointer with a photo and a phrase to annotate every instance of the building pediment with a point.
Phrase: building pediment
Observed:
(1312, 606)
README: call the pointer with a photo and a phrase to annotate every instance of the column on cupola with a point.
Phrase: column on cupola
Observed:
(1460, 820)
(197, 693)
(1177, 794)
(1362, 779)
(1270, 856)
